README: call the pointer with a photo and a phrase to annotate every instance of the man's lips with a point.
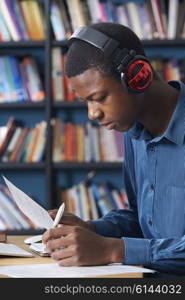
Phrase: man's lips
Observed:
(108, 125)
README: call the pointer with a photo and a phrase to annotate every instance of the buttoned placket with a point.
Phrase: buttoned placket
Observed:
(152, 161)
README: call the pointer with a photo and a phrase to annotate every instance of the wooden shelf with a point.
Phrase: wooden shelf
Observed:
(21, 166)
(150, 43)
(164, 43)
(85, 165)
(19, 44)
(22, 105)
(147, 43)
(67, 104)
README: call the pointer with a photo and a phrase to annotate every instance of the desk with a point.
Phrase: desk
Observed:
(19, 241)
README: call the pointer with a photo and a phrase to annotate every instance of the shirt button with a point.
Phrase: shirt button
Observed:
(151, 148)
(150, 222)
(152, 186)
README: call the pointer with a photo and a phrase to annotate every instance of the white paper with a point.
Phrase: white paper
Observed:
(55, 271)
(13, 250)
(38, 247)
(29, 207)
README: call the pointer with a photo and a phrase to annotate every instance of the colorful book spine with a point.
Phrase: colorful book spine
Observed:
(10, 7)
(34, 82)
(20, 19)
(5, 10)
(5, 35)
(17, 80)
(57, 22)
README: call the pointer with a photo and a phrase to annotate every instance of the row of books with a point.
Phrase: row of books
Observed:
(149, 19)
(11, 218)
(92, 200)
(85, 143)
(20, 80)
(169, 69)
(21, 20)
(61, 86)
(22, 144)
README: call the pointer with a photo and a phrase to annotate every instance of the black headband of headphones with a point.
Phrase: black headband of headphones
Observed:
(107, 45)
(135, 70)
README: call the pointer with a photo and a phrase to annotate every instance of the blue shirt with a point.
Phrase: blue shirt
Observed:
(153, 229)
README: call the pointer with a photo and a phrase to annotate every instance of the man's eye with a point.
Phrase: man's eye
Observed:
(101, 99)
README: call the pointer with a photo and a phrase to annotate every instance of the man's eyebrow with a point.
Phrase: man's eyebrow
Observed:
(94, 93)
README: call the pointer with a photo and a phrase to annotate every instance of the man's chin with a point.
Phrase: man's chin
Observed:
(121, 128)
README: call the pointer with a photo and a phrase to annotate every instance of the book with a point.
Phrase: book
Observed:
(158, 18)
(20, 19)
(6, 155)
(172, 18)
(10, 19)
(181, 19)
(134, 18)
(84, 198)
(34, 82)
(164, 14)
(10, 130)
(92, 203)
(149, 10)
(79, 143)
(33, 18)
(100, 199)
(15, 155)
(17, 84)
(57, 75)
(56, 21)
(25, 81)
(5, 84)
(57, 133)
(65, 17)
(11, 5)
(121, 15)
(77, 19)
(4, 32)
(41, 142)
(37, 19)
(94, 11)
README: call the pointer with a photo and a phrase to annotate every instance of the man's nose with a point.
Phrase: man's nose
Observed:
(94, 113)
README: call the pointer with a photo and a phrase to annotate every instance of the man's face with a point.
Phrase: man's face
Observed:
(107, 101)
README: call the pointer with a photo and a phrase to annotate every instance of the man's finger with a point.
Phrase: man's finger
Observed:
(53, 245)
(57, 232)
(62, 253)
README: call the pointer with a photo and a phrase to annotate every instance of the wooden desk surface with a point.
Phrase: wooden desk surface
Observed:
(19, 241)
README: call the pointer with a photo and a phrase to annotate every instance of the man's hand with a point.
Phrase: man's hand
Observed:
(79, 246)
(71, 219)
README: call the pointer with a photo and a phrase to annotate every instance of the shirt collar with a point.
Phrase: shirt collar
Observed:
(176, 128)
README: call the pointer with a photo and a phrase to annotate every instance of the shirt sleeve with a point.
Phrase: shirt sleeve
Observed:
(164, 255)
(119, 223)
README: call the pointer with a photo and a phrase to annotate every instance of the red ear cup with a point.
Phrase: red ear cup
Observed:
(139, 75)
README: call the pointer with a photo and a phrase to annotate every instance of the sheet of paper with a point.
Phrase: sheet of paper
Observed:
(29, 207)
(13, 250)
(54, 271)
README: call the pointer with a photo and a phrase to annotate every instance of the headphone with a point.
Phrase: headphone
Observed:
(135, 71)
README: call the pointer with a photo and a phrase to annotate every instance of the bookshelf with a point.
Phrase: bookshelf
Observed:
(46, 176)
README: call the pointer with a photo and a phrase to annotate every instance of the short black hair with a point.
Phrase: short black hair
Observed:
(82, 56)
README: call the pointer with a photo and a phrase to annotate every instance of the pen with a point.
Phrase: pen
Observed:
(59, 215)
(38, 238)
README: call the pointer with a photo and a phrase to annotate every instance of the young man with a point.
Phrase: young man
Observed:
(126, 94)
